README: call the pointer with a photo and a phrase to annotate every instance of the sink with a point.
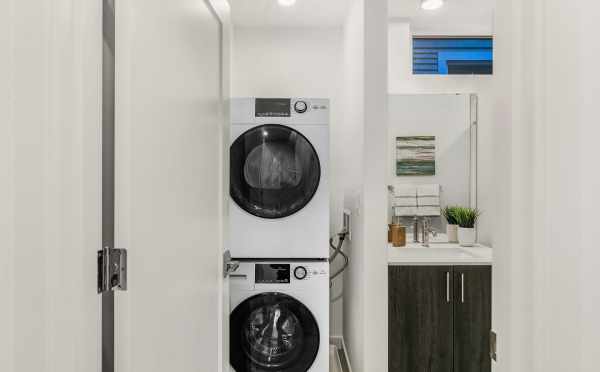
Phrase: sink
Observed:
(434, 252)
(439, 254)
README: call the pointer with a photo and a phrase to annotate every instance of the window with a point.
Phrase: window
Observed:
(453, 55)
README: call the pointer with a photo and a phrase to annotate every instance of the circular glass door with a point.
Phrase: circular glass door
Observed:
(274, 171)
(273, 332)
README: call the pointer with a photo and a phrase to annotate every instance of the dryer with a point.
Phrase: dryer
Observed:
(279, 192)
(280, 317)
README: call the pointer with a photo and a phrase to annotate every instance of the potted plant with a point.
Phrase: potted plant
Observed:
(466, 218)
(452, 226)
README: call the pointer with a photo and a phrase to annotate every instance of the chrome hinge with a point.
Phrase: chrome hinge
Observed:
(112, 270)
(493, 346)
(229, 266)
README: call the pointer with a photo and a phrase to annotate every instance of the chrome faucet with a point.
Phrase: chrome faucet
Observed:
(415, 229)
(426, 230)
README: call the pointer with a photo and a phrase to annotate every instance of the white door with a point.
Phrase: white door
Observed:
(50, 68)
(170, 186)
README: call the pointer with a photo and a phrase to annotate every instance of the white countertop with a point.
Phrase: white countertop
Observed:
(439, 254)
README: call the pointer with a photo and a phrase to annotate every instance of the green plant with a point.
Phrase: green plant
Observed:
(448, 213)
(466, 217)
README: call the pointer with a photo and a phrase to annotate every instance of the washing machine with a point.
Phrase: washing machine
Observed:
(279, 192)
(279, 317)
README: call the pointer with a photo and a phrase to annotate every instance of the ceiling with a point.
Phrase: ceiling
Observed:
(456, 17)
(305, 13)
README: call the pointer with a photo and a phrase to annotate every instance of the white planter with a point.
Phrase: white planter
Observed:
(452, 233)
(466, 237)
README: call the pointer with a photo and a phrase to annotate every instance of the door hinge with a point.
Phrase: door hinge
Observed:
(112, 270)
(229, 266)
(493, 346)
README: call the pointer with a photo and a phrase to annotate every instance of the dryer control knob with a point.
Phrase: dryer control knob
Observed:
(300, 107)
(300, 272)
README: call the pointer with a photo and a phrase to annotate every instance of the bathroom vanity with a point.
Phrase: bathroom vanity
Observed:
(439, 308)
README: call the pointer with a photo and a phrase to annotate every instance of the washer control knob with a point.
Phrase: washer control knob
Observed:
(300, 107)
(300, 272)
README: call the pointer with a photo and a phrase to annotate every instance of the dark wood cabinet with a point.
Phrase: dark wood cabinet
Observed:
(420, 319)
(472, 318)
(439, 318)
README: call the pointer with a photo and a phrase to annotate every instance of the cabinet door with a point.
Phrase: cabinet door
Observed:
(472, 318)
(420, 319)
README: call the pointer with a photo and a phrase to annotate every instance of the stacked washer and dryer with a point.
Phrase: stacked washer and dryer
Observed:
(279, 231)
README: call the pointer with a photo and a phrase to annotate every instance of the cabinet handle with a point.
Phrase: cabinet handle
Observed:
(462, 287)
(448, 287)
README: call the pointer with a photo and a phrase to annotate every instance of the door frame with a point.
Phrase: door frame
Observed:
(222, 12)
(108, 176)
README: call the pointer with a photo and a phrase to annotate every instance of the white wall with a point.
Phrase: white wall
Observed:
(547, 299)
(299, 62)
(402, 81)
(375, 188)
(365, 103)
(50, 120)
(353, 104)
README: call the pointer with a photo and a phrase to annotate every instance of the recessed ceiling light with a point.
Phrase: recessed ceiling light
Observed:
(431, 4)
(287, 2)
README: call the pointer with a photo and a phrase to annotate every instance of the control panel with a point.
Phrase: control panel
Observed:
(272, 107)
(276, 273)
(303, 272)
(285, 107)
(272, 273)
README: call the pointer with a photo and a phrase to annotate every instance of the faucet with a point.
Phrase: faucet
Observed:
(426, 230)
(415, 229)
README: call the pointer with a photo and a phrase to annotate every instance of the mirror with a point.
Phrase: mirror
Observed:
(432, 141)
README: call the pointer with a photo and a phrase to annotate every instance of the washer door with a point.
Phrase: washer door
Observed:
(273, 332)
(274, 170)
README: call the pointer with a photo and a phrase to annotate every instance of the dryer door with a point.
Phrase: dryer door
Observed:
(273, 332)
(275, 171)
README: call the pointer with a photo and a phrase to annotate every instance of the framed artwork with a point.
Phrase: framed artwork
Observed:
(415, 156)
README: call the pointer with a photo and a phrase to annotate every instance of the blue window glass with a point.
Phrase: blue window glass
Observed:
(453, 56)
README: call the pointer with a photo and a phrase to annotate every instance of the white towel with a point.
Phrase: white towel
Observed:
(404, 201)
(428, 190)
(428, 201)
(405, 211)
(404, 190)
(429, 211)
